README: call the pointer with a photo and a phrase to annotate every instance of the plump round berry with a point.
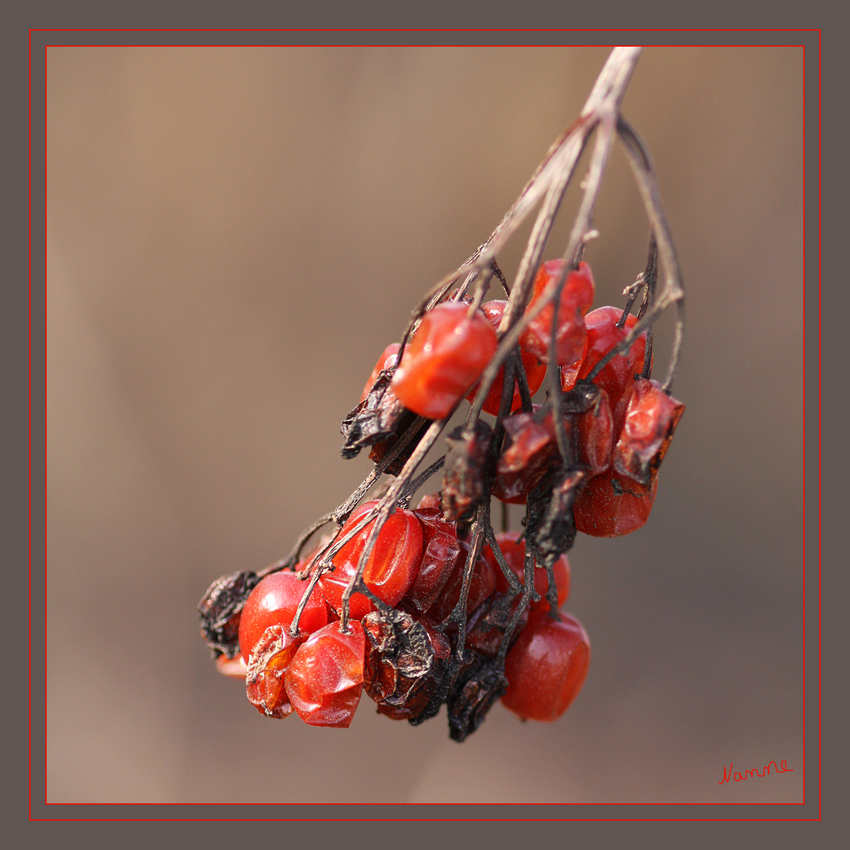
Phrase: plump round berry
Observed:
(546, 667)
(576, 299)
(513, 548)
(617, 377)
(535, 369)
(386, 361)
(444, 358)
(324, 680)
(392, 566)
(610, 505)
(273, 602)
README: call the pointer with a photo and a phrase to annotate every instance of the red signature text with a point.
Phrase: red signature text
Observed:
(740, 777)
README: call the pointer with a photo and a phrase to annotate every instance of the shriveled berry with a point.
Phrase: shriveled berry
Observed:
(651, 418)
(324, 680)
(405, 661)
(482, 584)
(444, 358)
(617, 376)
(531, 451)
(264, 681)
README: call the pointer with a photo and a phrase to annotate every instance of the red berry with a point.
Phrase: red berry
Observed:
(535, 369)
(482, 585)
(651, 418)
(596, 435)
(546, 667)
(269, 661)
(531, 451)
(234, 668)
(576, 299)
(610, 505)
(514, 551)
(391, 568)
(386, 361)
(440, 555)
(324, 680)
(444, 358)
(569, 373)
(617, 376)
(273, 603)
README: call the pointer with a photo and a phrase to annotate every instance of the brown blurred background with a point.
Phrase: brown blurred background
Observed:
(233, 237)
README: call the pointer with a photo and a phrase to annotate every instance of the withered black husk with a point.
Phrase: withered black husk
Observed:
(468, 475)
(379, 416)
(552, 528)
(477, 686)
(405, 662)
(220, 609)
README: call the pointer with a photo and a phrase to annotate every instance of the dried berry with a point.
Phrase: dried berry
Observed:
(468, 469)
(651, 418)
(267, 666)
(405, 662)
(221, 610)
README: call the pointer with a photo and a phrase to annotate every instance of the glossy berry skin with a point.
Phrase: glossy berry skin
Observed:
(386, 361)
(482, 585)
(546, 667)
(392, 566)
(610, 505)
(596, 437)
(441, 553)
(324, 680)
(651, 418)
(617, 377)
(535, 369)
(576, 299)
(444, 358)
(514, 551)
(273, 602)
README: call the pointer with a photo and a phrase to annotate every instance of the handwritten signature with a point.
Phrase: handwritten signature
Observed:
(740, 777)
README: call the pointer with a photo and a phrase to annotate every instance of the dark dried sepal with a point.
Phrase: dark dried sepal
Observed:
(382, 448)
(479, 683)
(489, 624)
(380, 415)
(554, 532)
(468, 475)
(405, 662)
(220, 610)
(580, 399)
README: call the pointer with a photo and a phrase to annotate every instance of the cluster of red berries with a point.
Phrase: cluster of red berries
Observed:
(401, 654)
(444, 611)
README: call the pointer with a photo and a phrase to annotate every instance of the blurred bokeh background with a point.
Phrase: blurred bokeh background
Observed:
(234, 235)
